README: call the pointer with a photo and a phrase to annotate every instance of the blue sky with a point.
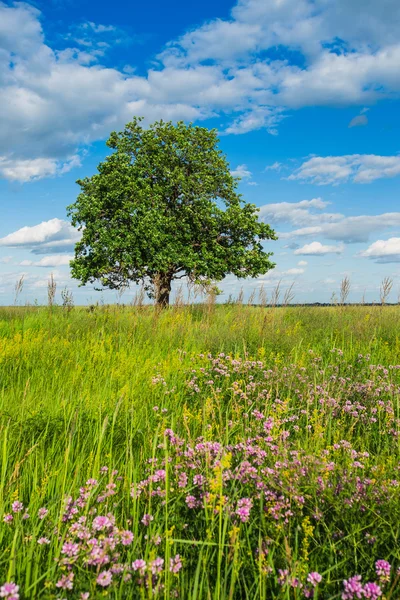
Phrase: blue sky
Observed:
(304, 93)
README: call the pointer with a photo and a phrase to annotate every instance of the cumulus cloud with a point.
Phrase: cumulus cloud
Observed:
(51, 236)
(350, 230)
(302, 263)
(298, 213)
(58, 260)
(384, 251)
(56, 101)
(357, 168)
(242, 171)
(318, 249)
(276, 166)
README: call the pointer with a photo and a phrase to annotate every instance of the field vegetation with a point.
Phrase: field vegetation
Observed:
(200, 452)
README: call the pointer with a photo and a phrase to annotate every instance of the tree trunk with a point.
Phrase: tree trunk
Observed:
(162, 286)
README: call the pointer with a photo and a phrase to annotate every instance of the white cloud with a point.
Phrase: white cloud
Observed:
(36, 168)
(384, 251)
(359, 121)
(55, 101)
(298, 213)
(302, 263)
(357, 168)
(242, 171)
(276, 166)
(49, 236)
(318, 249)
(58, 260)
(348, 229)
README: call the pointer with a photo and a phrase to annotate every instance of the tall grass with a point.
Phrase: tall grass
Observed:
(83, 389)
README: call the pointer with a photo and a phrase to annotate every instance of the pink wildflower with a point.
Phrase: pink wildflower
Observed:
(43, 541)
(42, 513)
(8, 518)
(352, 588)
(157, 565)
(100, 523)
(139, 565)
(126, 538)
(175, 564)
(10, 591)
(104, 579)
(17, 506)
(66, 582)
(382, 568)
(314, 578)
(372, 591)
(146, 520)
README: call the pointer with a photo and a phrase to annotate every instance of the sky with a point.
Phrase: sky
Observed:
(305, 95)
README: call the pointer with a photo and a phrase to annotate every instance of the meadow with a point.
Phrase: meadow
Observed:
(200, 452)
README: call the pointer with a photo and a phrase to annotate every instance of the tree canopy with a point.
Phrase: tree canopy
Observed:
(163, 206)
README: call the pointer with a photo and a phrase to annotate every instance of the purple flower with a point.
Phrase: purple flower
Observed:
(191, 501)
(314, 578)
(146, 520)
(70, 549)
(157, 565)
(139, 565)
(382, 568)
(100, 523)
(243, 509)
(17, 506)
(43, 541)
(104, 579)
(126, 537)
(66, 582)
(9, 590)
(372, 590)
(175, 564)
(8, 518)
(352, 588)
(42, 512)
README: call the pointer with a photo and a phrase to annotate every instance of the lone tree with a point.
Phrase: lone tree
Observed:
(164, 206)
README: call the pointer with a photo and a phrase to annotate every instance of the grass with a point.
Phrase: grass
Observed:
(292, 435)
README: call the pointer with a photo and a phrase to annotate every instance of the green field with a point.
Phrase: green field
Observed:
(209, 451)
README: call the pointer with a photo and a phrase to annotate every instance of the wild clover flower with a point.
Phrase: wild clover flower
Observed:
(175, 564)
(126, 537)
(146, 519)
(314, 578)
(66, 582)
(352, 588)
(42, 513)
(372, 591)
(382, 568)
(9, 591)
(104, 579)
(17, 506)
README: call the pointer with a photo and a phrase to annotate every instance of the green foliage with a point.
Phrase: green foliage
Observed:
(164, 206)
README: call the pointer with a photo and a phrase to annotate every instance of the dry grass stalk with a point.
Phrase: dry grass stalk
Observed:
(51, 291)
(18, 288)
(386, 288)
(345, 286)
(262, 296)
(289, 295)
(276, 294)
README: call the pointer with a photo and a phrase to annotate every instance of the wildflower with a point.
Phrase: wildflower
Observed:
(183, 479)
(352, 588)
(8, 518)
(243, 509)
(10, 591)
(43, 540)
(84, 596)
(92, 482)
(146, 520)
(382, 568)
(25, 516)
(157, 565)
(104, 579)
(191, 501)
(139, 565)
(100, 523)
(70, 549)
(372, 590)
(42, 513)
(17, 506)
(314, 578)
(175, 564)
(103, 469)
(126, 538)
(66, 582)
